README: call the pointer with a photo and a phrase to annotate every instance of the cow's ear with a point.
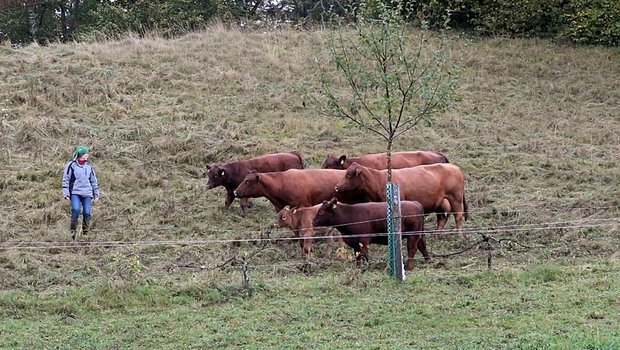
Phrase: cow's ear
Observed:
(208, 167)
(287, 208)
(342, 159)
(294, 210)
(222, 172)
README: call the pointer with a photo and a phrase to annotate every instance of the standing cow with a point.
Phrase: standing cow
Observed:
(230, 175)
(365, 223)
(440, 188)
(379, 160)
(295, 188)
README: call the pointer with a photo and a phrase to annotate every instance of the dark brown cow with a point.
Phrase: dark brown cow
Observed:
(440, 188)
(379, 160)
(295, 188)
(299, 220)
(230, 175)
(365, 223)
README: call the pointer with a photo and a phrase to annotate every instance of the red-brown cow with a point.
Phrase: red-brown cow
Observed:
(379, 160)
(230, 175)
(440, 188)
(299, 220)
(365, 223)
(295, 188)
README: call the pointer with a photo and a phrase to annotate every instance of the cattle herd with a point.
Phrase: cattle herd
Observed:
(348, 193)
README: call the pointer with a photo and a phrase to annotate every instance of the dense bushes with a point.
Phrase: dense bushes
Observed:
(593, 22)
(580, 21)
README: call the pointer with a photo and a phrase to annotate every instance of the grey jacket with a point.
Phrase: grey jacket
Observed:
(80, 180)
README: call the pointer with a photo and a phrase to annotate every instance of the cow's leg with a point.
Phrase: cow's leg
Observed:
(244, 203)
(422, 247)
(412, 246)
(443, 208)
(457, 208)
(301, 246)
(307, 243)
(230, 197)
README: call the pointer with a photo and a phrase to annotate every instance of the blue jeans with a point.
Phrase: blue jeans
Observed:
(76, 201)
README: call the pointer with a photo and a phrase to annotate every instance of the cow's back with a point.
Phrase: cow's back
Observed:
(400, 160)
(238, 170)
(306, 187)
(427, 183)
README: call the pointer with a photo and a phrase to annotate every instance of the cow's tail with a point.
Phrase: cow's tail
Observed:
(465, 208)
(301, 158)
(444, 157)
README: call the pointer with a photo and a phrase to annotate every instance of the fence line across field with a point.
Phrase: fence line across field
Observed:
(219, 230)
(28, 245)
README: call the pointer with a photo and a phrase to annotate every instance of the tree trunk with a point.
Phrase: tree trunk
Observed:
(389, 160)
(32, 20)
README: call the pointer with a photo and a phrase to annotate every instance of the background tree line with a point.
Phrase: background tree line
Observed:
(580, 21)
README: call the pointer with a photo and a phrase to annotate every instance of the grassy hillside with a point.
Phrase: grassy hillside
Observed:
(536, 131)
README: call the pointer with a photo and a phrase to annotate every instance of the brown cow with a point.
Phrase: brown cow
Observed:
(295, 188)
(364, 223)
(231, 174)
(299, 220)
(379, 160)
(440, 188)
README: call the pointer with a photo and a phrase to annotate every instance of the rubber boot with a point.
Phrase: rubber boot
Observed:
(73, 228)
(85, 227)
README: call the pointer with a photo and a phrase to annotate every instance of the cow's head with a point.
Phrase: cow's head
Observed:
(331, 162)
(217, 175)
(324, 216)
(285, 217)
(352, 179)
(250, 186)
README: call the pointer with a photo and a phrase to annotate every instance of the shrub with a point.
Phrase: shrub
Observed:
(593, 22)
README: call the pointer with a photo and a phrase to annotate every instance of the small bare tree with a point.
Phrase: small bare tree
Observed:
(395, 80)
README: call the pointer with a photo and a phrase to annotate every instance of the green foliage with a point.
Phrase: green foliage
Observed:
(593, 22)
(582, 21)
(520, 18)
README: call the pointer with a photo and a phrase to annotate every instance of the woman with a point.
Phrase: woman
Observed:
(80, 186)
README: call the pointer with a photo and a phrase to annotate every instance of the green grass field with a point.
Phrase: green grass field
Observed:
(536, 130)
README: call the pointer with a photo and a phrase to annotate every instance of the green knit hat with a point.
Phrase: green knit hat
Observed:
(79, 151)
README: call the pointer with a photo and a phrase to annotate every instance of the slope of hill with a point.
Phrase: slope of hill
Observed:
(536, 131)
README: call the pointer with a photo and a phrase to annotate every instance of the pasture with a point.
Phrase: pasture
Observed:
(535, 130)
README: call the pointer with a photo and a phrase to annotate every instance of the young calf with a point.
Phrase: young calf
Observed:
(364, 223)
(299, 220)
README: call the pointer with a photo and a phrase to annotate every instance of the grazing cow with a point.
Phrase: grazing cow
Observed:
(295, 188)
(379, 160)
(299, 220)
(440, 188)
(231, 174)
(364, 223)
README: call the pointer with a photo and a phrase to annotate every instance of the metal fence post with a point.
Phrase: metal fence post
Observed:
(395, 258)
